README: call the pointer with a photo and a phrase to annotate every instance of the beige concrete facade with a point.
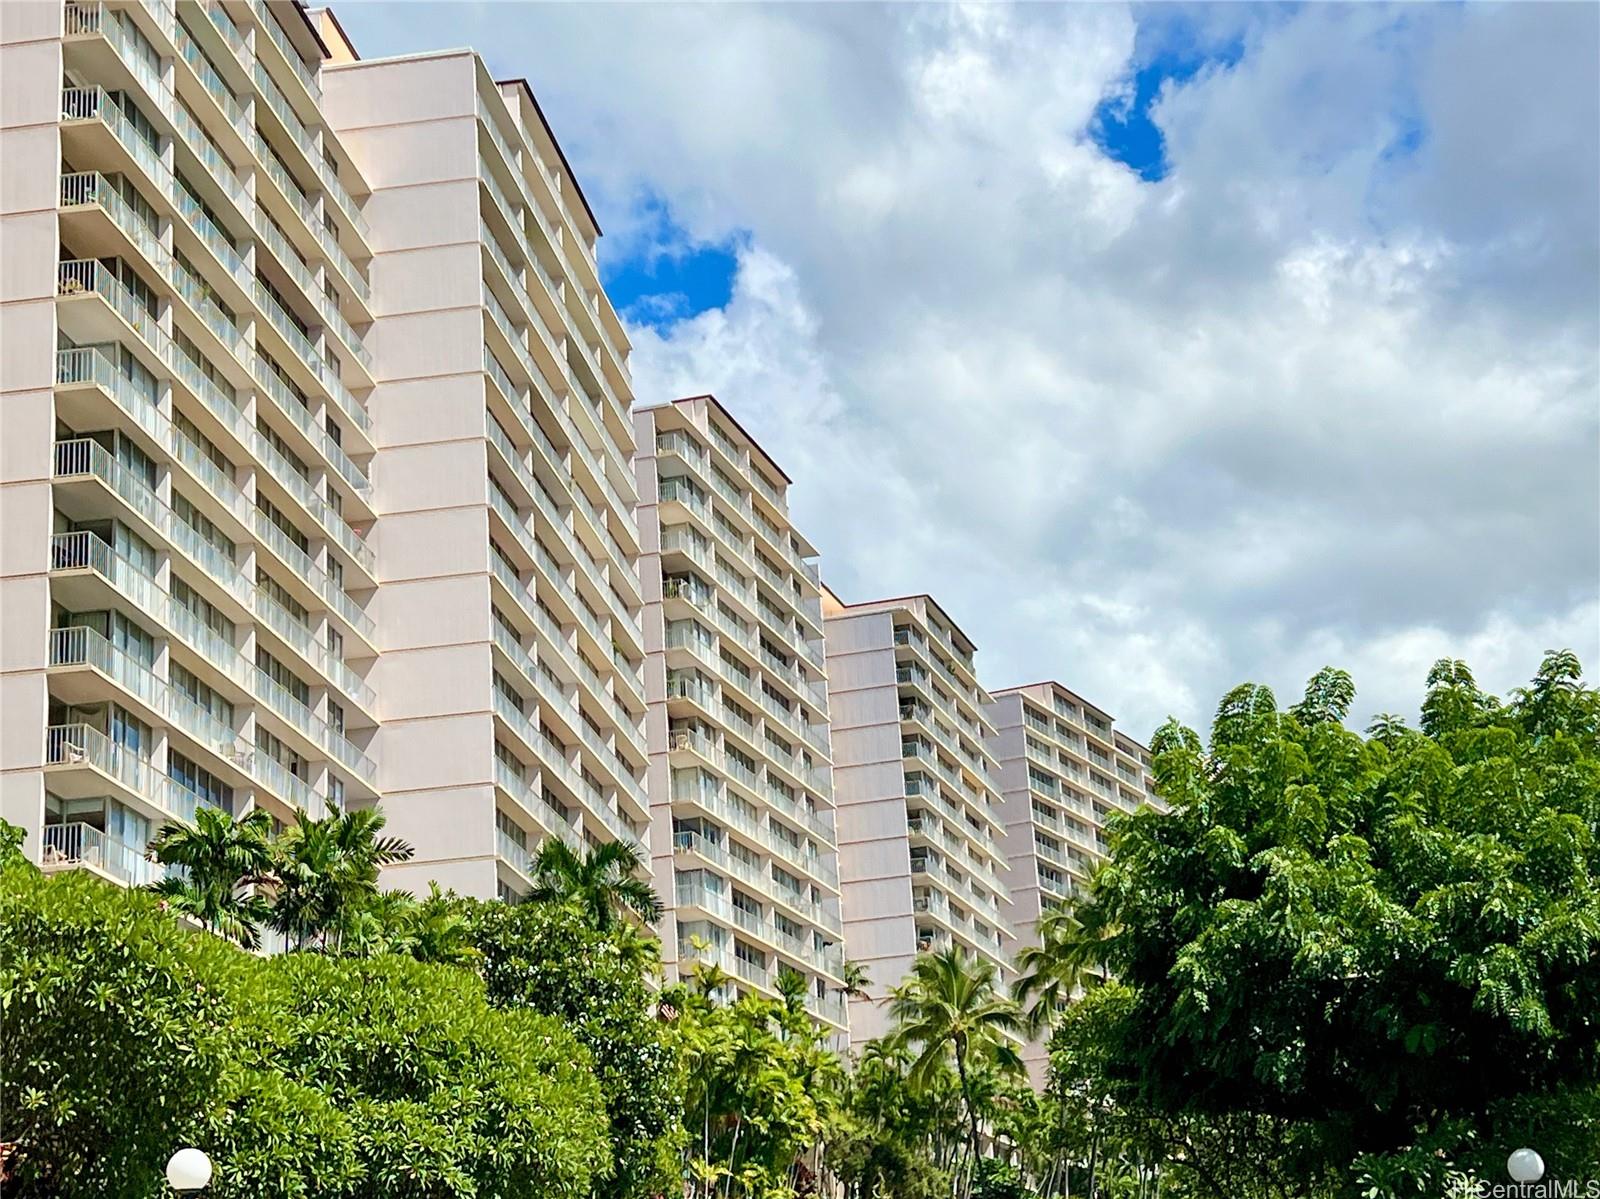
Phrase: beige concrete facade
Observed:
(257, 291)
(510, 609)
(742, 828)
(920, 854)
(187, 568)
(1064, 771)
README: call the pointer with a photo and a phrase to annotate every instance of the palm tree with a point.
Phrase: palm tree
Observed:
(709, 978)
(856, 981)
(327, 871)
(791, 988)
(441, 931)
(603, 882)
(951, 1004)
(222, 858)
(1054, 970)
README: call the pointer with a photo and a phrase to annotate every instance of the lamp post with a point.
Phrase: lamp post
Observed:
(188, 1171)
(1525, 1166)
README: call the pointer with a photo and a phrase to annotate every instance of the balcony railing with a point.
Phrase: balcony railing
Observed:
(82, 744)
(300, 562)
(79, 844)
(102, 20)
(278, 618)
(210, 156)
(295, 409)
(267, 21)
(549, 818)
(296, 484)
(218, 90)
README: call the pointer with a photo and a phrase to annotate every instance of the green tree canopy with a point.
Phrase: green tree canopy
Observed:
(548, 958)
(222, 860)
(603, 881)
(1391, 942)
(950, 1008)
(125, 1035)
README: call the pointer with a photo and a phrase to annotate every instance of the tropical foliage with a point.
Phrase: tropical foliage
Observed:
(951, 1009)
(126, 1036)
(603, 881)
(1340, 967)
(1364, 965)
(220, 863)
(761, 1087)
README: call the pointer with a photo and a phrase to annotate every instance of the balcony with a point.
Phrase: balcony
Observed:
(82, 21)
(533, 802)
(84, 459)
(513, 853)
(77, 846)
(312, 578)
(82, 747)
(293, 407)
(81, 551)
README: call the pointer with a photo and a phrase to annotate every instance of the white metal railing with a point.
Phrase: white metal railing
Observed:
(79, 844)
(82, 744)
(296, 712)
(301, 564)
(84, 457)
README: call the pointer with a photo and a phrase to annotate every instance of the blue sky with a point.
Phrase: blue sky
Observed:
(1169, 345)
(669, 277)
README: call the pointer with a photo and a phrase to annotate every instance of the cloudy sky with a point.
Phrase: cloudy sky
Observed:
(1168, 346)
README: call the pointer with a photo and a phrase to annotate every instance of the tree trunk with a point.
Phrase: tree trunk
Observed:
(966, 1096)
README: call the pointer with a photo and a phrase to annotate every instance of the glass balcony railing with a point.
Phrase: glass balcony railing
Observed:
(304, 139)
(331, 523)
(298, 561)
(294, 408)
(287, 626)
(82, 744)
(76, 844)
(213, 83)
(304, 73)
(552, 821)
(224, 24)
(291, 709)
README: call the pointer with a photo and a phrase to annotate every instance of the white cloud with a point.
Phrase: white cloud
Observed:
(1327, 393)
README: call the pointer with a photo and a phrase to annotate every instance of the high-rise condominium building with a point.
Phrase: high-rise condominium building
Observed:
(742, 829)
(916, 788)
(1064, 770)
(256, 293)
(185, 446)
(512, 667)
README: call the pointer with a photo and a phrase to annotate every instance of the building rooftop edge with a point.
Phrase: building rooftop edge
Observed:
(560, 153)
(743, 432)
(918, 595)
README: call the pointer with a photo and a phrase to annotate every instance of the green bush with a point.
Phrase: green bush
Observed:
(548, 958)
(125, 1036)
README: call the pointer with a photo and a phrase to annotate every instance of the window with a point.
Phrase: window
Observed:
(206, 787)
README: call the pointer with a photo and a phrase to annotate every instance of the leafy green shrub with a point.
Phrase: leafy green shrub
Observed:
(548, 958)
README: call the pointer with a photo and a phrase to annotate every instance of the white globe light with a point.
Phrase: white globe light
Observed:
(1525, 1166)
(188, 1170)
